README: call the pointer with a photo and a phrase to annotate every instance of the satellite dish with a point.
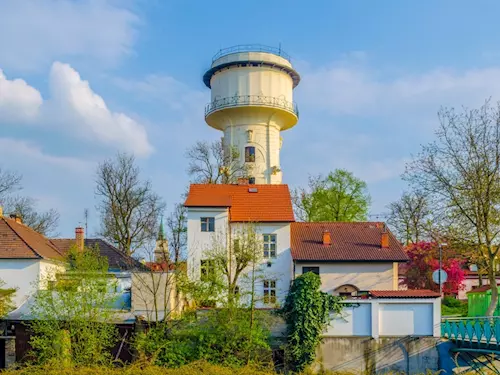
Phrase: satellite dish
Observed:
(436, 276)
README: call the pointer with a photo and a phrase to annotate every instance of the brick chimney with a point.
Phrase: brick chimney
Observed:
(79, 238)
(17, 218)
(242, 181)
(384, 239)
(327, 238)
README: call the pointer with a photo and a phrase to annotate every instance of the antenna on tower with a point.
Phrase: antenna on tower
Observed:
(280, 49)
(86, 217)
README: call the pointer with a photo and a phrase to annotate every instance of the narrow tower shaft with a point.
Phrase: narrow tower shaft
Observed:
(252, 102)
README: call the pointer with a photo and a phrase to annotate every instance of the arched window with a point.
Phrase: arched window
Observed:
(346, 290)
(250, 154)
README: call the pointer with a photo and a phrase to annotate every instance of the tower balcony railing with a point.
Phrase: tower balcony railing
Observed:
(251, 48)
(251, 100)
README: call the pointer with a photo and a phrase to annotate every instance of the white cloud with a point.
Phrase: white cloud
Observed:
(18, 100)
(74, 106)
(34, 32)
(74, 102)
(358, 90)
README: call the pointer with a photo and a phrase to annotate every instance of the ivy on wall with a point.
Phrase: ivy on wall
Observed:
(306, 312)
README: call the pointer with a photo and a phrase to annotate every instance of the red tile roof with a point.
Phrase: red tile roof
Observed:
(411, 293)
(350, 242)
(483, 288)
(18, 241)
(246, 203)
(116, 259)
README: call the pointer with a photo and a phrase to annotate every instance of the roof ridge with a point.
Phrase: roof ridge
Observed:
(21, 238)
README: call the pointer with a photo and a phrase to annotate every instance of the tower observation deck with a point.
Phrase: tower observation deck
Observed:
(251, 103)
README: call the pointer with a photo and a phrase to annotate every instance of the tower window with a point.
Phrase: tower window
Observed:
(251, 180)
(269, 291)
(269, 245)
(207, 224)
(250, 154)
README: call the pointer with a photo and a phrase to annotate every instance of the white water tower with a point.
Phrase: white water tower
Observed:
(252, 102)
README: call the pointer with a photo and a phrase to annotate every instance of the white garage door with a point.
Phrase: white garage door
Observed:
(403, 319)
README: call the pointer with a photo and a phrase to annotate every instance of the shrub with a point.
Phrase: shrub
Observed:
(217, 336)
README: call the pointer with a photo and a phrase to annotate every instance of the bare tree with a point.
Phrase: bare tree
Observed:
(129, 208)
(177, 232)
(410, 217)
(209, 163)
(44, 222)
(233, 254)
(9, 182)
(460, 172)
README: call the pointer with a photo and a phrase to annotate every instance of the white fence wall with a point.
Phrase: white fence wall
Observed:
(388, 318)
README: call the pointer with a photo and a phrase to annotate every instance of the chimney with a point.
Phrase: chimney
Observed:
(17, 218)
(79, 238)
(242, 181)
(384, 239)
(327, 238)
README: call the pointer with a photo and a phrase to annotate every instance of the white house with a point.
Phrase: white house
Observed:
(215, 210)
(28, 260)
(351, 258)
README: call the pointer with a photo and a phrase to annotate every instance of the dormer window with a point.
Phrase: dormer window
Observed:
(250, 154)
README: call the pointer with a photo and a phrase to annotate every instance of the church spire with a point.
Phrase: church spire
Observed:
(161, 232)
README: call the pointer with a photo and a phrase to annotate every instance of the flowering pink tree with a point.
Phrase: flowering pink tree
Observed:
(424, 260)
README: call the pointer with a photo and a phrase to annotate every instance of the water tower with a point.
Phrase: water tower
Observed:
(252, 102)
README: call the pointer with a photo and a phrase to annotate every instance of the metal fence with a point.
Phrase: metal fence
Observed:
(480, 330)
(251, 48)
(251, 100)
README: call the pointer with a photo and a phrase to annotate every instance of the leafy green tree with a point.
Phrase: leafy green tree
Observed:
(306, 312)
(6, 304)
(340, 196)
(72, 318)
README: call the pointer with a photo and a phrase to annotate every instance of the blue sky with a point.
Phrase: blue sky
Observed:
(82, 79)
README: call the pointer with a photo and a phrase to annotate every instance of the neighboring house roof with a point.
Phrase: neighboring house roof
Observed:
(481, 289)
(18, 241)
(246, 203)
(411, 293)
(116, 259)
(350, 242)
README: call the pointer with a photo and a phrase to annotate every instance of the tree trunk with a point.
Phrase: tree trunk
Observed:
(494, 289)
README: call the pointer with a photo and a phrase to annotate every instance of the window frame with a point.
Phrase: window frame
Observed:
(268, 244)
(207, 269)
(269, 291)
(310, 269)
(249, 154)
(207, 222)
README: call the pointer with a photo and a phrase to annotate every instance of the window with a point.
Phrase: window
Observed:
(269, 291)
(250, 154)
(251, 180)
(269, 245)
(310, 269)
(207, 224)
(207, 269)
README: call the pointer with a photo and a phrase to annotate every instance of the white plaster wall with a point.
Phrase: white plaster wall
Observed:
(250, 80)
(402, 319)
(354, 321)
(364, 276)
(21, 274)
(48, 272)
(198, 241)
(387, 317)
(266, 140)
(280, 269)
